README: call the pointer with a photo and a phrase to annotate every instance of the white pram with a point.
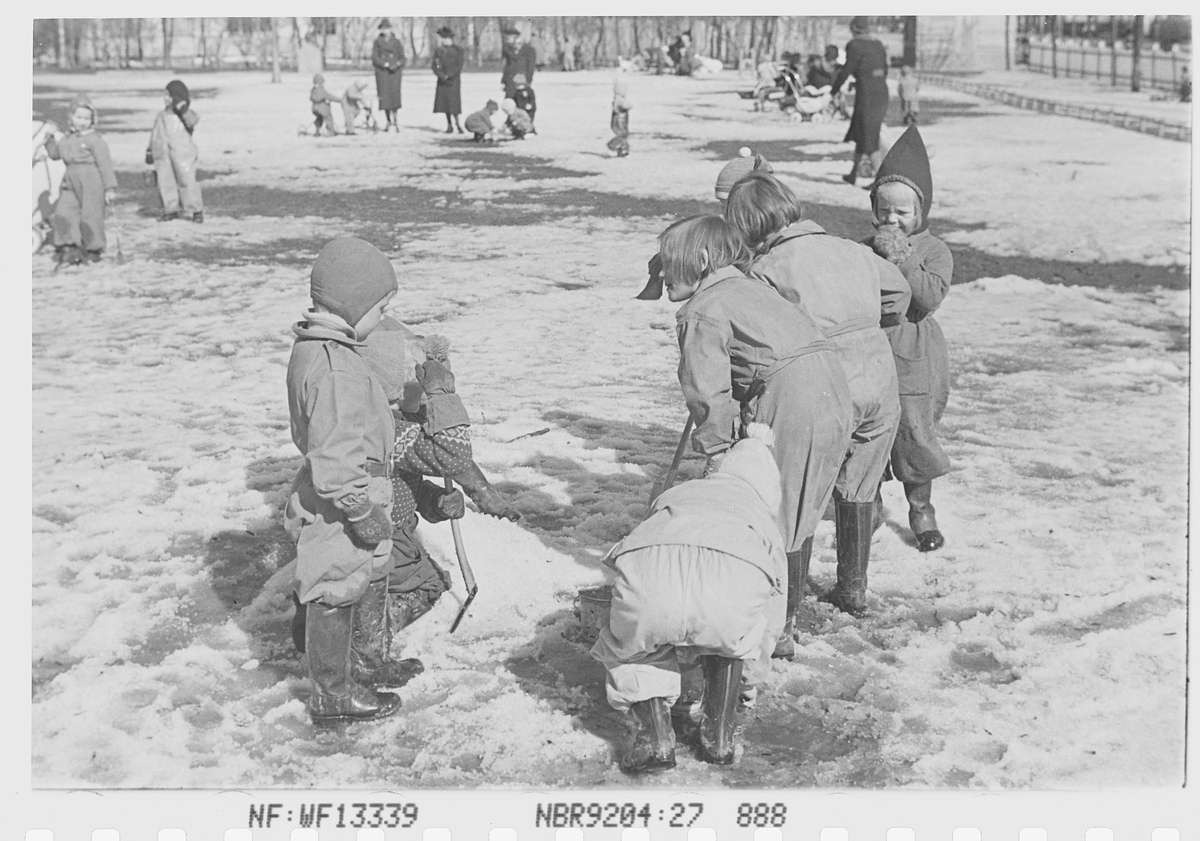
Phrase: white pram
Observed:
(47, 181)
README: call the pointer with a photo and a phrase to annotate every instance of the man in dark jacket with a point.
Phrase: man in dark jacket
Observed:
(519, 57)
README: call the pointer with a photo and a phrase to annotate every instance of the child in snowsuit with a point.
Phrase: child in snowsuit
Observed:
(901, 199)
(354, 102)
(518, 122)
(701, 579)
(173, 154)
(90, 183)
(744, 357)
(480, 122)
(909, 89)
(846, 289)
(523, 96)
(322, 113)
(620, 118)
(339, 508)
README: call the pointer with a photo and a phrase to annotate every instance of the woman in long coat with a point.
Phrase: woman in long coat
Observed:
(866, 61)
(388, 58)
(447, 66)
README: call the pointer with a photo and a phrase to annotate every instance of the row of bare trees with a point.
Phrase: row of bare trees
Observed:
(221, 43)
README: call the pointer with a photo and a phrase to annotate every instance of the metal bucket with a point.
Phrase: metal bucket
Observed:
(592, 607)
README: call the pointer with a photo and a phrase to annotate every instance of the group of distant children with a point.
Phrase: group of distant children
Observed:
(355, 104)
(519, 110)
(812, 369)
(90, 180)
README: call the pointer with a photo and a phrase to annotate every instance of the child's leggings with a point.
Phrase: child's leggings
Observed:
(79, 214)
(177, 186)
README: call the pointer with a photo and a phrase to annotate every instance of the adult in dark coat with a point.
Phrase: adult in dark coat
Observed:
(447, 66)
(388, 58)
(866, 61)
(519, 57)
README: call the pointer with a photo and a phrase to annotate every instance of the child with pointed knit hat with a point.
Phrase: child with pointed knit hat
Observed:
(901, 199)
(339, 508)
(89, 184)
(700, 581)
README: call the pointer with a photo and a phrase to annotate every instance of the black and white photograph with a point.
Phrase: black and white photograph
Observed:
(607, 403)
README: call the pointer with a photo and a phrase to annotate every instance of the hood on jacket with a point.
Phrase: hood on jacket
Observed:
(82, 101)
(908, 162)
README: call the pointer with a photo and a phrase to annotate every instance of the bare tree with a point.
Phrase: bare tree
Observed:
(168, 27)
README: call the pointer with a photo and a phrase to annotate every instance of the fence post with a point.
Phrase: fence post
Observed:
(1054, 46)
(1112, 46)
(1135, 76)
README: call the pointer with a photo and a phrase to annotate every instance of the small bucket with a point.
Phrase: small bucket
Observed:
(592, 607)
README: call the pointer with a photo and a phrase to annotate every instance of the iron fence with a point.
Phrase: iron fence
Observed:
(1157, 69)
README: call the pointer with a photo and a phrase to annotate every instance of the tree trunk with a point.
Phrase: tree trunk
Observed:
(276, 75)
(166, 30)
(637, 44)
(473, 35)
(1112, 46)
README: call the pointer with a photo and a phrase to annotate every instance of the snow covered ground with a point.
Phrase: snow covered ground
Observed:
(1042, 648)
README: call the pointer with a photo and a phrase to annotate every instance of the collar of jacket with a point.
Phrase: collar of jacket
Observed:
(720, 276)
(322, 332)
(803, 228)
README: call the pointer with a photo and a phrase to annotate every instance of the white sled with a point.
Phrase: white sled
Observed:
(47, 181)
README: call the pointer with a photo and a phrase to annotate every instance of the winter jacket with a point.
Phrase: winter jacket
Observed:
(521, 59)
(922, 361)
(733, 334)
(85, 149)
(170, 138)
(720, 512)
(480, 122)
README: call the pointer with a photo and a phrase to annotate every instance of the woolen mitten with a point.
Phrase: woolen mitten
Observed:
(452, 504)
(892, 244)
(443, 409)
(372, 528)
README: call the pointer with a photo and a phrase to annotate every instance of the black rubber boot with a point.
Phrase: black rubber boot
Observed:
(335, 696)
(855, 521)
(298, 623)
(481, 492)
(722, 686)
(921, 517)
(370, 655)
(797, 572)
(653, 742)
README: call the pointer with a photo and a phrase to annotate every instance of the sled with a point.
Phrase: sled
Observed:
(47, 181)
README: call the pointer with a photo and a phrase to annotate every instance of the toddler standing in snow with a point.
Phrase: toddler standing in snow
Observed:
(700, 580)
(523, 96)
(322, 113)
(910, 105)
(339, 508)
(173, 154)
(89, 184)
(620, 118)
(901, 199)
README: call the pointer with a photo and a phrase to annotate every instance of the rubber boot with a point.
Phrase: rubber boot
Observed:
(335, 696)
(653, 741)
(853, 175)
(370, 655)
(298, 622)
(854, 529)
(921, 517)
(481, 492)
(797, 573)
(722, 686)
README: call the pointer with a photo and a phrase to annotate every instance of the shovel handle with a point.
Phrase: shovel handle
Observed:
(461, 552)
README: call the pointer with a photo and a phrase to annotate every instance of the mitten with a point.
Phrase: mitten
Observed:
(892, 244)
(372, 528)
(452, 504)
(149, 157)
(444, 409)
(654, 286)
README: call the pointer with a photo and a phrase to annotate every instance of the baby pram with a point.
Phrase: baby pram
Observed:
(47, 180)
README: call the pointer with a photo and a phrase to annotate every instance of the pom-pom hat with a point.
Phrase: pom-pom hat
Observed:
(751, 461)
(349, 277)
(745, 163)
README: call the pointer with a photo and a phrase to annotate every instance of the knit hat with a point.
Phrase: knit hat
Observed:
(81, 101)
(385, 24)
(508, 106)
(445, 32)
(908, 162)
(510, 30)
(751, 461)
(491, 104)
(384, 352)
(350, 276)
(519, 79)
(318, 79)
(745, 163)
(178, 92)
(860, 25)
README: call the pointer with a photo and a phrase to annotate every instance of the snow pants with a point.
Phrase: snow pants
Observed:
(79, 213)
(866, 359)
(923, 368)
(330, 567)
(676, 603)
(177, 185)
(807, 405)
(412, 570)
